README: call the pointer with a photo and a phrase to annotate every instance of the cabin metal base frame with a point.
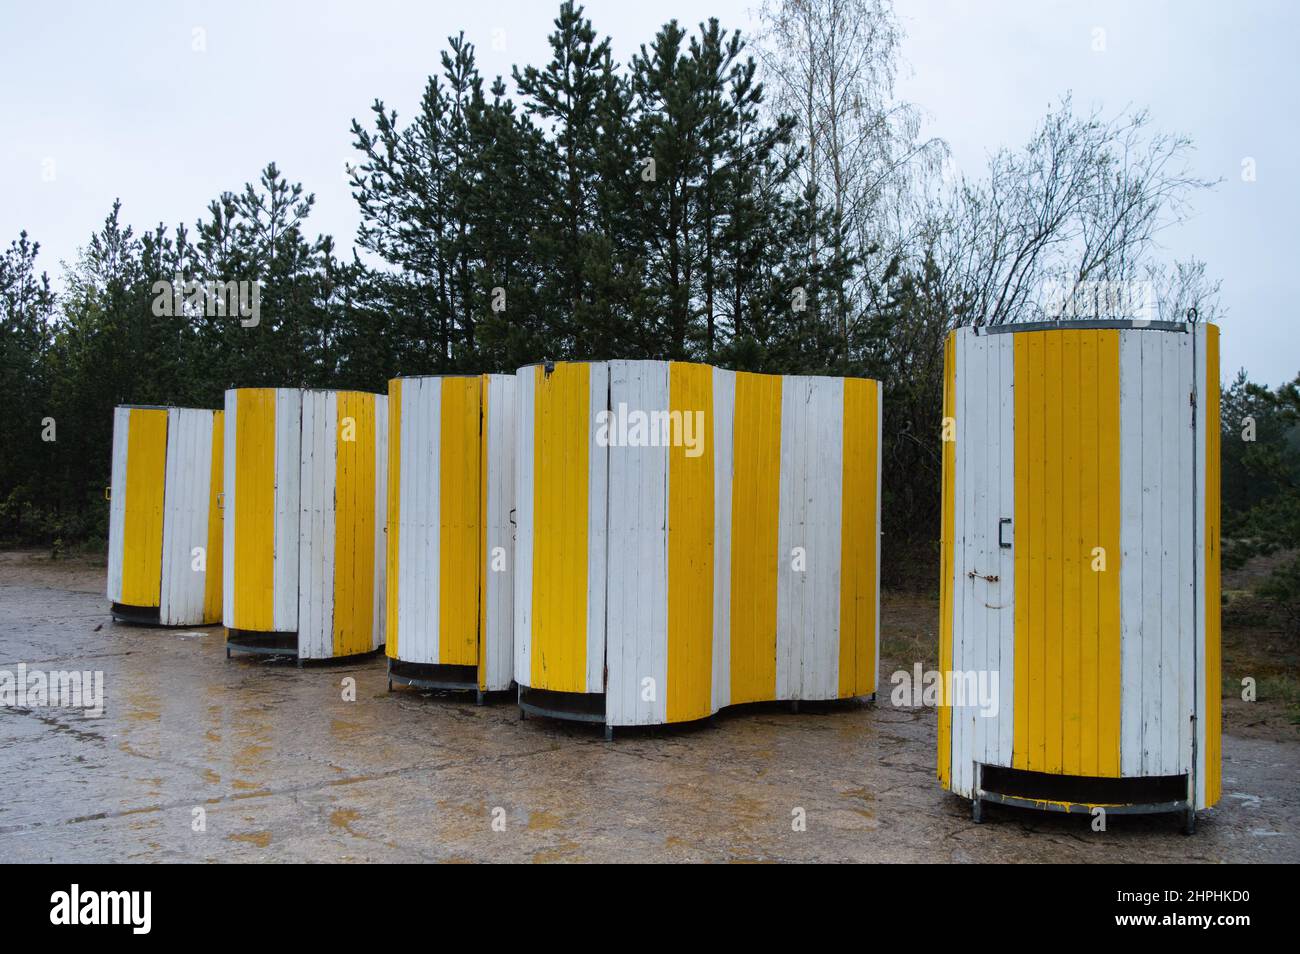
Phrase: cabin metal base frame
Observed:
(1153, 795)
(262, 643)
(570, 706)
(136, 615)
(278, 644)
(435, 676)
(590, 707)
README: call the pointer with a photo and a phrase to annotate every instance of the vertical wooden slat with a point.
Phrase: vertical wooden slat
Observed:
(858, 532)
(754, 521)
(459, 521)
(947, 552)
(690, 546)
(561, 425)
(1213, 688)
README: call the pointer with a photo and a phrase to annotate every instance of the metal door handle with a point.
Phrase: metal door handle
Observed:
(1003, 542)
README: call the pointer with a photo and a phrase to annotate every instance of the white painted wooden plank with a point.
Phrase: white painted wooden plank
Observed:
(991, 594)
(288, 442)
(117, 503)
(986, 594)
(960, 750)
(809, 523)
(404, 489)
(1174, 521)
(1184, 471)
(316, 480)
(525, 394)
(1131, 556)
(307, 496)
(597, 537)
(637, 582)
(327, 500)
(188, 477)
(963, 636)
(431, 443)
(623, 703)
(823, 637)
(723, 429)
(378, 624)
(790, 534)
(173, 449)
(652, 644)
(228, 509)
(421, 459)
(1199, 469)
(499, 429)
(1152, 425)
(652, 463)
(644, 688)
(981, 620)
(1006, 436)
(314, 461)
(413, 513)
(625, 528)
(630, 524)
(421, 522)
(330, 502)
(436, 443)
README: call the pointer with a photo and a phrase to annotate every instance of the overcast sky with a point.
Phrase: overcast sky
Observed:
(105, 100)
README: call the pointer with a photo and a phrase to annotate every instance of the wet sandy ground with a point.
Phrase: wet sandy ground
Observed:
(285, 770)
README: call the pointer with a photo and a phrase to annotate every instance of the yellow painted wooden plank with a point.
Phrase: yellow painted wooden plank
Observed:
(690, 547)
(755, 503)
(947, 545)
(1051, 636)
(1022, 535)
(858, 538)
(1040, 492)
(1066, 709)
(354, 523)
(146, 466)
(253, 562)
(1076, 541)
(393, 538)
(1089, 415)
(459, 528)
(1213, 582)
(484, 558)
(562, 422)
(1108, 534)
(1035, 548)
(212, 580)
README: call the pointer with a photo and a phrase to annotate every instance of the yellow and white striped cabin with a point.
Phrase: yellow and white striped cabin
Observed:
(1080, 566)
(304, 507)
(164, 526)
(691, 538)
(451, 447)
